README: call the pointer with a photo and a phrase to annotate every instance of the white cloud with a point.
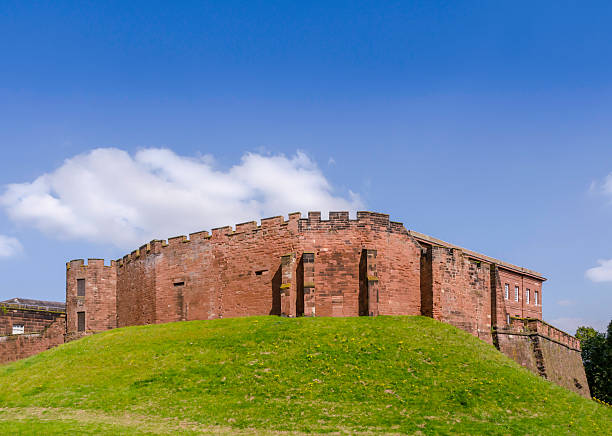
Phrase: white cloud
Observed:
(107, 195)
(565, 303)
(602, 272)
(9, 247)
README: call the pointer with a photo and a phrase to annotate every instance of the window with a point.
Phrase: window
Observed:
(80, 287)
(261, 272)
(18, 329)
(516, 293)
(535, 297)
(507, 291)
(81, 321)
(178, 284)
(508, 318)
(527, 292)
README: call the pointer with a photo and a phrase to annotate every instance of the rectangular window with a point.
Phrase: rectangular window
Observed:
(535, 297)
(516, 293)
(81, 321)
(527, 292)
(18, 329)
(508, 318)
(80, 287)
(507, 291)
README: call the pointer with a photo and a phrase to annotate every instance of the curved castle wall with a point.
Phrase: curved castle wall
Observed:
(309, 267)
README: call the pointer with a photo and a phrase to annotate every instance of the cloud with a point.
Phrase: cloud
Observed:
(602, 272)
(110, 196)
(9, 247)
(565, 303)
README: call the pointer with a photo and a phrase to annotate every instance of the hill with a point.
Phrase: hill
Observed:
(255, 375)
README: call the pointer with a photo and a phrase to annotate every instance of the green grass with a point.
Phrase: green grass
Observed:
(270, 374)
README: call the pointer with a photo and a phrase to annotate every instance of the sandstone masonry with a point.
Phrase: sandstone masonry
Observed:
(368, 266)
(28, 327)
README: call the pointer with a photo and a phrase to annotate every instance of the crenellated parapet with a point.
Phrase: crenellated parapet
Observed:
(533, 326)
(337, 221)
(90, 296)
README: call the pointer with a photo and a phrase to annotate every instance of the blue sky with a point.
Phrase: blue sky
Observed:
(487, 124)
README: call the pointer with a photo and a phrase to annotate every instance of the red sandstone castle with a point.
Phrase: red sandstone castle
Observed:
(302, 267)
(313, 267)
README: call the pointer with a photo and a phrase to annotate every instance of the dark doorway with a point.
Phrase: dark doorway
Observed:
(299, 298)
(81, 321)
(363, 284)
(426, 281)
(277, 281)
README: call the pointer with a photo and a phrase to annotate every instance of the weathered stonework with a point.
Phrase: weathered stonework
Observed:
(544, 350)
(312, 267)
(43, 326)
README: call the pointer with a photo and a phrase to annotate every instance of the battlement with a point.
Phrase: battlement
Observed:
(92, 262)
(530, 326)
(338, 220)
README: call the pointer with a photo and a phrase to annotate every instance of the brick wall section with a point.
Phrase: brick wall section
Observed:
(34, 321)
(313, 267)
(546, 351)
(520, 309)
(456, 289)
(99, 302)
(15, 347)
(238, 272)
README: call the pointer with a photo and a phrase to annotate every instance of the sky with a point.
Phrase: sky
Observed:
(485, 124)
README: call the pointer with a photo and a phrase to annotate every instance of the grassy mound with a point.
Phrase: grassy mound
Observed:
(271, 374)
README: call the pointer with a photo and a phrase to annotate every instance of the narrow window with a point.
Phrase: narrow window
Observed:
(18, 329)
(261, 272)
(535, 297)
(516, 293)
(527, 292)
(81, 321)
(507, 291)
(508, 318)
(80, 287)
(177, 284)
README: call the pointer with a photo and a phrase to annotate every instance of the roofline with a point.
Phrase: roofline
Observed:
(478, 256)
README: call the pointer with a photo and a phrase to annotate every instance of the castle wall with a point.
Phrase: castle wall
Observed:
(314, 267)
(238, 272)
(15, 347)
(546, 351)
(461, 291)
(136, 280)
(99, 300)
(33, 321)
(520, 308)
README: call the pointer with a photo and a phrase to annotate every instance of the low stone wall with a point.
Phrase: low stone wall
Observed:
(556, 358)
(15, 347)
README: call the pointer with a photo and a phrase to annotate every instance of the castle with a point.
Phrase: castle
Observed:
(368, 266)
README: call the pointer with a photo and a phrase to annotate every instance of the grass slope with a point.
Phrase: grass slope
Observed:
(271, 374)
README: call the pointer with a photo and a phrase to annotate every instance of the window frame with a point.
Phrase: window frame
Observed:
(507, 291)
(20, 329)
(81, 289)
(517, 292)
(527, 296)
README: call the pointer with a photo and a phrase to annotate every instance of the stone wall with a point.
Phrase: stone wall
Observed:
(34, 321)
(15, 347)
(238, 272)
(546, 351)
(313, 267)
(99, 300)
